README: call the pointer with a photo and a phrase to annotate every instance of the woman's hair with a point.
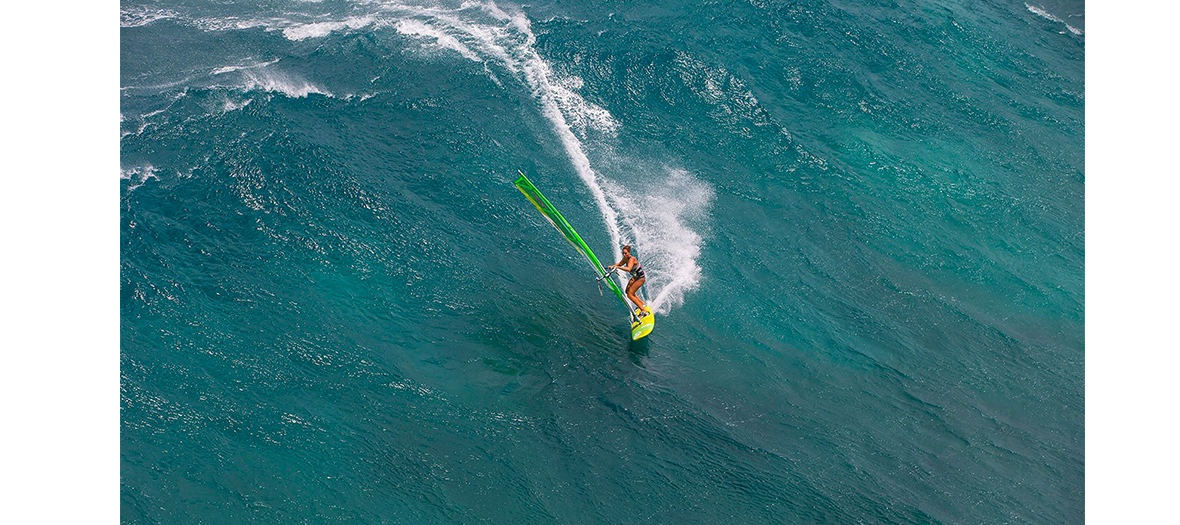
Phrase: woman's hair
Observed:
(626, 246)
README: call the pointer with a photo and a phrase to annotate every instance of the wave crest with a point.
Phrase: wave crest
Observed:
(136, 16)
(1041, 12)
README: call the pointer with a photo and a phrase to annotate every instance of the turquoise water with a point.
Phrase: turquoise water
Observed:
(862, 225)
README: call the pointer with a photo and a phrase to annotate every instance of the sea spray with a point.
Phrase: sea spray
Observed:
(660, 215)
(654, 216)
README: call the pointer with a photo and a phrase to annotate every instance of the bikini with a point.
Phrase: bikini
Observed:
(637, 271)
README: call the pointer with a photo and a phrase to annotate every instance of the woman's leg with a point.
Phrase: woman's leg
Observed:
(632, 287)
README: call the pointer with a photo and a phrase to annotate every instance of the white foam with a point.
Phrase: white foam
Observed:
(143, 121)
(274, 81)
(125, 134)
(1041, 12)
(234, 23)
(136, 16)
(583, 115)
(661, 228)
(138, 175)
(419, 28)
(160, 87)
(359, 97)
(230, 104)
(659, 216)
(239, 67)
(322, 29)
(656, 217)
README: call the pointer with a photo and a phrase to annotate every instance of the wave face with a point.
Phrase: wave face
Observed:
(862, 227)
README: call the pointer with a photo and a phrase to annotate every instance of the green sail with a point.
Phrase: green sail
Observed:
(534, 195)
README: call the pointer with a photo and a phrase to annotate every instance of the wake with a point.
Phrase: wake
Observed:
(657, 216)
(660, 215)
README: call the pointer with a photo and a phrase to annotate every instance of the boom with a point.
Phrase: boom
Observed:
(534, 195)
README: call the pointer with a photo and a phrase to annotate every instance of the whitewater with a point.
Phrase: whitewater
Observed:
(657, 212)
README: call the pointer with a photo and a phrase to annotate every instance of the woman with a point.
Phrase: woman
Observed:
(631, 264)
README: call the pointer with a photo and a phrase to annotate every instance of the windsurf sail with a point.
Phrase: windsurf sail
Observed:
(534, 195)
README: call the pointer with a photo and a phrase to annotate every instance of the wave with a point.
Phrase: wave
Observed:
(253, 75)
(136, 16)
(1041, 12)
(234, 23)
(656, 215)
(143, 124)
(238, 67)
(417, 28)
(277, 82)
(138, 175)
(145, 120)
(319, 29)
(229, 104)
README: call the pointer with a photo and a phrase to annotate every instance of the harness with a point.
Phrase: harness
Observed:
(637, 271)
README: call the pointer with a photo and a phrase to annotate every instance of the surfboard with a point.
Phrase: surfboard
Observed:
(644, 326)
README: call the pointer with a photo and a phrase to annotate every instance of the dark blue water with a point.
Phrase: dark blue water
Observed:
(862, 226)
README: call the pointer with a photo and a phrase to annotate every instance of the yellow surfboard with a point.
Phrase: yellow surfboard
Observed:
(642, 327)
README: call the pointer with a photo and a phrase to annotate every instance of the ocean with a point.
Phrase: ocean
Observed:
(862, 225)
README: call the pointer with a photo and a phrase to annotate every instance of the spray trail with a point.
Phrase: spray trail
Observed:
(656, 214)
